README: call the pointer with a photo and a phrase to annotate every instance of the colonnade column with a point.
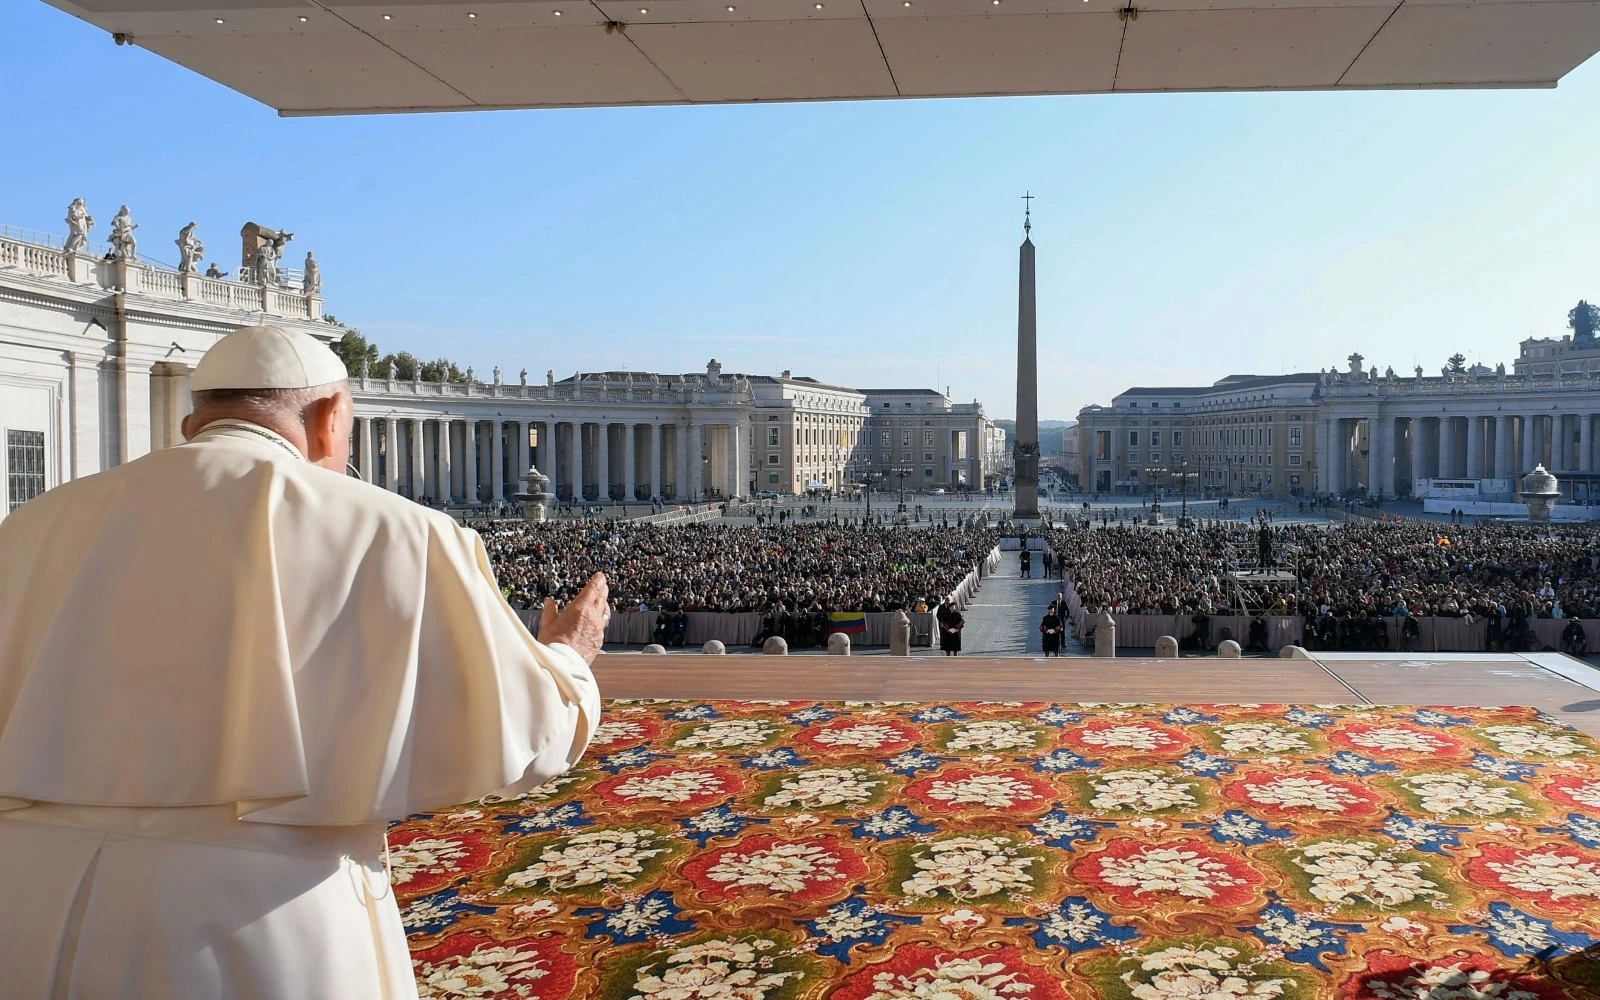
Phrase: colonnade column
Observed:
(1375, 456)
(655, 460)
(575, 460)
(602, 459)
(1474, 468)
(523, 453)
(1447, 447)
(1585, 445)
(736, 430)
(630, 461)
(1530, 443)
(447, 477)
(497, 453)
(419, 462)
(1505, 445)
(697, 447)
(369, 444)
(391, 455)
(469, 455)
(547, 453)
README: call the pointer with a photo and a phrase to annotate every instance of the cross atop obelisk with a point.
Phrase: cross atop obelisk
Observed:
(1025, 449)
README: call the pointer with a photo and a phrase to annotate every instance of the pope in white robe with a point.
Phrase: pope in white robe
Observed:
(224, 667)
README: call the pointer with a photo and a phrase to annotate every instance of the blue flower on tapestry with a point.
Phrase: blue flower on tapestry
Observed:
(1205, 765)
(937, 713)
(1505, 770)
(912, 761)
(1440, 720)
(718, 821)
(434, 912)
(1302, 938)
(1581, 828)
(566, 816)
(634, 757)
(1078, 925)
(1055, 715)
(1062, 761)
(853, 922)
(1181, 716)
(1421, 834)
(694, 713)
(816, 713)
(1236, 827)
(1059, 828)
(1516, 934)
(652, 916)
(1306, 717)
(777, 759)
(1346, 762)
(888, 824)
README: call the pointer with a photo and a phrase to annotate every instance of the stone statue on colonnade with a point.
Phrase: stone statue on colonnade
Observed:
(190, 250)
(79, 221)
(311, 284)
(123, 244)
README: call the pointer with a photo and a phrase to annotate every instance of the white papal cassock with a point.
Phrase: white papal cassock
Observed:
(222, 669)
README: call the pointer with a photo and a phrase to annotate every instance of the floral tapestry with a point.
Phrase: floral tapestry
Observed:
(985, 851)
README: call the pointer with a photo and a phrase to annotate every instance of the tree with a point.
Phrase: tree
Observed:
(1584, 320)
(1457, 363)
(352, 347)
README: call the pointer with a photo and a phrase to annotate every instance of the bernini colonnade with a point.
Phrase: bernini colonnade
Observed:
(626, 436)
(1384, 432)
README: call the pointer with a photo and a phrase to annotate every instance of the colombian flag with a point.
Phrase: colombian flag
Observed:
(847, 621)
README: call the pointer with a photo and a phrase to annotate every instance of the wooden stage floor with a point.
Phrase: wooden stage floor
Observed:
(1560, 685)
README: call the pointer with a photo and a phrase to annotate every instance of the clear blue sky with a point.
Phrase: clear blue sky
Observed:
(1180, 237)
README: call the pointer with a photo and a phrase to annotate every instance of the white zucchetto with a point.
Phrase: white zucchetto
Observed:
(267, 357)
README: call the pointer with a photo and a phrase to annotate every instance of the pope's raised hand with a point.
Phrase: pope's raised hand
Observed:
(582, 624)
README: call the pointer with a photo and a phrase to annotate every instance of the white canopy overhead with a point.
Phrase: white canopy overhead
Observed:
(306, 57)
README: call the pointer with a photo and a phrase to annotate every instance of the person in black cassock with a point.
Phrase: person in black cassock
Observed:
(1050, 629)
(950, 625)
(1027, 563)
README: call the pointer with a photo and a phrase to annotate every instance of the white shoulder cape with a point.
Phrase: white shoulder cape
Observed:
(223, 622)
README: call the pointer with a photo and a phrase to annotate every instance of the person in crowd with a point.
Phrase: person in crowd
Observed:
(950, 624)
(1050, 630)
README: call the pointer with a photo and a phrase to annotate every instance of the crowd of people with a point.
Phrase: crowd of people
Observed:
(1357, 570)
(794, 567)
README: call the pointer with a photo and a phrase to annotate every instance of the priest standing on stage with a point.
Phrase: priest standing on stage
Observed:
(224, 667)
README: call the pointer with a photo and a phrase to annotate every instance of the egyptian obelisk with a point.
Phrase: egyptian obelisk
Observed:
(1025, 449)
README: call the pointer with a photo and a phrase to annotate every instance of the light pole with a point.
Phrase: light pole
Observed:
(901, 473)
(1183, 476)
(868, 480)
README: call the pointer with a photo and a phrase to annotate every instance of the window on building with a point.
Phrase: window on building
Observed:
(1177, 439)
(772, 477)
(1294, 437)
(927, 473)
(1155, 438)
(24, 466)
(905, 439)
(905, 456)
(1294, 460)
(927, 456)
(1133, 439)
(772, 460)
(1133, 457)
(927, 439)
(772, 437)
(1269, 437)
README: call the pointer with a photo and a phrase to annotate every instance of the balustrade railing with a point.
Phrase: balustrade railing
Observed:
(163, 283)
(40, 254)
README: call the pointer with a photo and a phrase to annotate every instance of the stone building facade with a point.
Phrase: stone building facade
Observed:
(1347, 432)
(1246, 433)
(939, 443)
(97, 343)
(96, 346)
